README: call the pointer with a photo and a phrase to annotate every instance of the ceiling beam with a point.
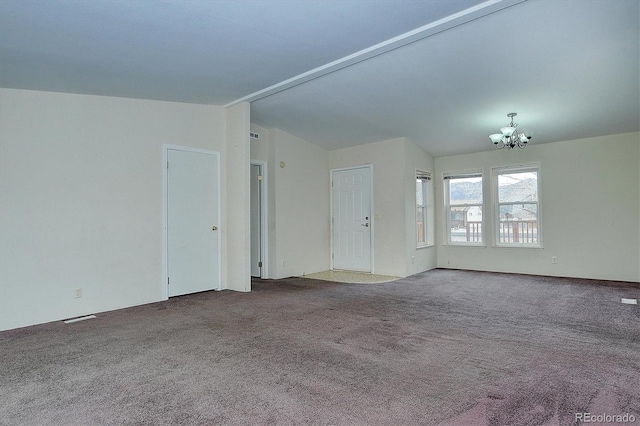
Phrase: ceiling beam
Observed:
(452, 21)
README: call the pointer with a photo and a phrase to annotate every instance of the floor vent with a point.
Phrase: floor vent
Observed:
(630, 301)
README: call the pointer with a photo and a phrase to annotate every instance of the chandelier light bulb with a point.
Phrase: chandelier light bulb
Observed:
(496, 138)
(508, 131)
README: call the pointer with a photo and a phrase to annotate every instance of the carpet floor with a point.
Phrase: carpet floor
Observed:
(439, 348)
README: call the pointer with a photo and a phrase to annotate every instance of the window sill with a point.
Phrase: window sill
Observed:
(424, 246)
(466, 245)
(520, 246)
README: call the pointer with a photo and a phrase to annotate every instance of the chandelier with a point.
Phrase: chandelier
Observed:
(510, 137)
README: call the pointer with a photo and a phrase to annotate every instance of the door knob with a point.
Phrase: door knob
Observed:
(214, 228)
(365, 224)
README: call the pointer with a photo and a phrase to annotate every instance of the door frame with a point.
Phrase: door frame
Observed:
(264, 247)
(165, 206)
(371, 221)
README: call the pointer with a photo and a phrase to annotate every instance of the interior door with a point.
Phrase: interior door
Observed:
(256, 221)
(193, 238)
(351, 219)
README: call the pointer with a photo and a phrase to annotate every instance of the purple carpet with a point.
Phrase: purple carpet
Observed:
(442, 347)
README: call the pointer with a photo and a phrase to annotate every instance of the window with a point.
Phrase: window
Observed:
(463, 195)
(517, 206)
(424, 216)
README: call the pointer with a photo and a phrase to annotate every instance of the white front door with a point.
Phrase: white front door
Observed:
(351, 218)
(193, 238)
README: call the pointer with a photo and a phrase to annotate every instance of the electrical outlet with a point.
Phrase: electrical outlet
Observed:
(282, 262)
(413, 259)
(554, 259)
(77, 293)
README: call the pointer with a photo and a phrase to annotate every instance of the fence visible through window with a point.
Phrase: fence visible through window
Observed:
(518, 205)
(519, 231)
(464, 197)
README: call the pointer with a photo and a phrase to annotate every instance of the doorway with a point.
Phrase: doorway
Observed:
(351, 224)
(192, 212)
(258, 220)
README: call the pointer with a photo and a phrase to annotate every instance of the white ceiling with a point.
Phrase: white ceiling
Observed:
(442, 72)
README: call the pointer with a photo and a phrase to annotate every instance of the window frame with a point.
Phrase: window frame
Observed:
(427, 209)
(447, 176)
(517, 168)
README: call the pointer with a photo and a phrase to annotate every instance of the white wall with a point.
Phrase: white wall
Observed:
(590, 210)
(81, 199)
(387, 158)
(423, 258)
(81, 202)
(298, 203)
(301, 189)
(301, 206)
(260, 147)
(238, 223)
(394, 165)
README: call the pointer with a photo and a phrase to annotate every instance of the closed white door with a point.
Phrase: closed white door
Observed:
(193, 238)
(351, 219)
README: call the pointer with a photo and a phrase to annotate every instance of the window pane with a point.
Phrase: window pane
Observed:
(465, 190)
(519, 212)
(419, 192)
(466, 224)
(518, 224)
(513, 187)
(420, 225)
(422, 233)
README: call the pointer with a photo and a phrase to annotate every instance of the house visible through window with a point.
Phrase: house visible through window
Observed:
(464, 206)
(517, 205)
(423, 216)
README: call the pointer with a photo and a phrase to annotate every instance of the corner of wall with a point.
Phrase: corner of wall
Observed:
(237, 232)
(423, 258)
(298, 205)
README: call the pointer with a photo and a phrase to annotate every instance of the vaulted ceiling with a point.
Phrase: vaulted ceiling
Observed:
(443, 73)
